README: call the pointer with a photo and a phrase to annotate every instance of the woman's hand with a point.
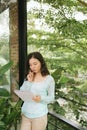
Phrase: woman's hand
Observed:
(30, 76)
(37, 98)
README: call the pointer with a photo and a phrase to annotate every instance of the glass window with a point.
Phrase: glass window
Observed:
(4, 48)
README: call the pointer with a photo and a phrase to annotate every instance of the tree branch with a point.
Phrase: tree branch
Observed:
(82, 2)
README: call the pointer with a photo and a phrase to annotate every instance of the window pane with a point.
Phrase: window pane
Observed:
(4, 48)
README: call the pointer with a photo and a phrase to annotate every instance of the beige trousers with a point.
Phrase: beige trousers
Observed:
(34, 123)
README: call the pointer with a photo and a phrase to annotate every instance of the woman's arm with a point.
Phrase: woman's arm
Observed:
(50, 93)
(27, 83)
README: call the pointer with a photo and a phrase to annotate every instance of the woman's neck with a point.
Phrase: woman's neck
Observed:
(38, 77)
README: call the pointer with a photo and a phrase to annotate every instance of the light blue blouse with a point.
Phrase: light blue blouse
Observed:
(46, 89)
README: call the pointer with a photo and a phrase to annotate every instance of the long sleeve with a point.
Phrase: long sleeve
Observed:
(50, 93)
(46, 89)
(26, 85)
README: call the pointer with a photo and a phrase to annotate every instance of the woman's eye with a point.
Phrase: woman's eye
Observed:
(35, 63)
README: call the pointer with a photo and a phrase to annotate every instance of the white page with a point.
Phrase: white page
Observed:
(24, 95)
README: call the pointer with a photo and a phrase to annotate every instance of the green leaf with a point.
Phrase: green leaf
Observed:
(64, 79)
(4, 92)
(5, 68)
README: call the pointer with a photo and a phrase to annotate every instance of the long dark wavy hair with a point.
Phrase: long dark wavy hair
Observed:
(37, 55)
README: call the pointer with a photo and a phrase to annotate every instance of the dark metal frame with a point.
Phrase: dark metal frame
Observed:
(58, 119)
(22, 24)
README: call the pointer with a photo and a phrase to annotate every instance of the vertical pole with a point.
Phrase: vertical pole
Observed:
(22, 24)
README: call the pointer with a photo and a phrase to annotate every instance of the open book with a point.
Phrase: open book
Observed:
(24, 95)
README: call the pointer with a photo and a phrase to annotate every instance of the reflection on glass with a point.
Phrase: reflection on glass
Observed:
(4, 47)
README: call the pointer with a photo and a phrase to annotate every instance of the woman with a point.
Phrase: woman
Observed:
(42, 85)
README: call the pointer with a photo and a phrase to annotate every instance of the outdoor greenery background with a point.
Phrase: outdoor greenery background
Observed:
(58, 30)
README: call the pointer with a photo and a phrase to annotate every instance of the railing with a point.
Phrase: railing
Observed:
(58, 122)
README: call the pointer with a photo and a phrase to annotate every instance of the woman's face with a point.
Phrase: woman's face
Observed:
(35, 65)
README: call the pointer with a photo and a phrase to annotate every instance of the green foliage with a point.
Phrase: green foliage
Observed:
(9, 112)
(3, 70)
(4, 92)
(58, 109)
(64, 47)
(3, 80)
